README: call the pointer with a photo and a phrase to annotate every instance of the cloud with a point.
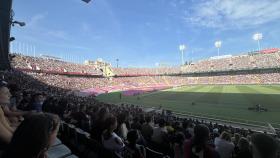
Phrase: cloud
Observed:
(58, 34)
(34, 21)
(229, 14)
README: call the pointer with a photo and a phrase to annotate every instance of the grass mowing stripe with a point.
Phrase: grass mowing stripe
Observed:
(266, 100)
(277, 88)
(212, 96)
(228, 102)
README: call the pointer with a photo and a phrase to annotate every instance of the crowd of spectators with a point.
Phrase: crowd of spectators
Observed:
(241, 62)
(125, 130)
(146, 71)
(129, 131)
(48, 64)
(81, 83)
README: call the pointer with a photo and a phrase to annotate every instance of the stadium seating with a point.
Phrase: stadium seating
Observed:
(74, 137)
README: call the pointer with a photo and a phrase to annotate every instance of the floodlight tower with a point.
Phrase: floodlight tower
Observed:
(218, 45)
(117, 60)
(258, 37)
(182, 48)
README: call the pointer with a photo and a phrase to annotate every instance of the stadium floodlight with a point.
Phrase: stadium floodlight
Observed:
(258, 37)
(117, 60)
(182, 48)
(218, 45)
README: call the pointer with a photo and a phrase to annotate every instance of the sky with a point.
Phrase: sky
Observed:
(142, 33)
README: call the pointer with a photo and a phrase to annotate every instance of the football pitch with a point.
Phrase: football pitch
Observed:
(225, 102)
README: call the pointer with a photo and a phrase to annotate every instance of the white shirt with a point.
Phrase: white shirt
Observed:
(123, 130)
(224, 148)
(112, 143)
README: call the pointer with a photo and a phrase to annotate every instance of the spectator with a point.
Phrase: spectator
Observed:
(224, 146)
(133, 150)
(33, 137)
(38, 101)
(110, 139)
(147, 128)
(243, 149)
(5, 126)
(179, 145)
(136, 124)
(24, 103)
(122, 129)
(160, 133)
(98, 124)
(197, 146)
(13, 116)
(264, 146)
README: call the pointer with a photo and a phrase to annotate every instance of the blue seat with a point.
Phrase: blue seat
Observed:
(59, 151)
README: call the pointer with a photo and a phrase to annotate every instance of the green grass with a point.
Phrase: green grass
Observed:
(227, 102)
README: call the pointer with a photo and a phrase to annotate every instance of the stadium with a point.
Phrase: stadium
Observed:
(95, 108)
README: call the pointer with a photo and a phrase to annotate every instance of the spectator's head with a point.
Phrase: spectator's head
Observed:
(243, 144)
(102, 114)
(33, 136)
(161, 123)
(263, 146)
(132, 136)
(148, 119)
(225, 136)
(179, 138)
(5, 94)
(39, 98)
(201, 136)
(122, 118)
(111, 123)
(236, 137)
(83, 108)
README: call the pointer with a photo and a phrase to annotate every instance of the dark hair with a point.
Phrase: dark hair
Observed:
(161, 123)
(107, 124)
(179, 138)
(132, 136)
(148, 119)
(31, 138)
(122, 118)
(265, 144)
(3, 84)
(102, 114)
(243, 144)
(109, 121)
(201, 135)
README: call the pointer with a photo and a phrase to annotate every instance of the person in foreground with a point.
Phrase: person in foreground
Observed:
(264, 146)
(110, 139)
(132, 149)
(197, 146)
(33, 136)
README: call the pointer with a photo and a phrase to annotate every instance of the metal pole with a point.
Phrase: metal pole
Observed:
(259, 45)
(218, 51)
(182, 57)
(34, 53)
